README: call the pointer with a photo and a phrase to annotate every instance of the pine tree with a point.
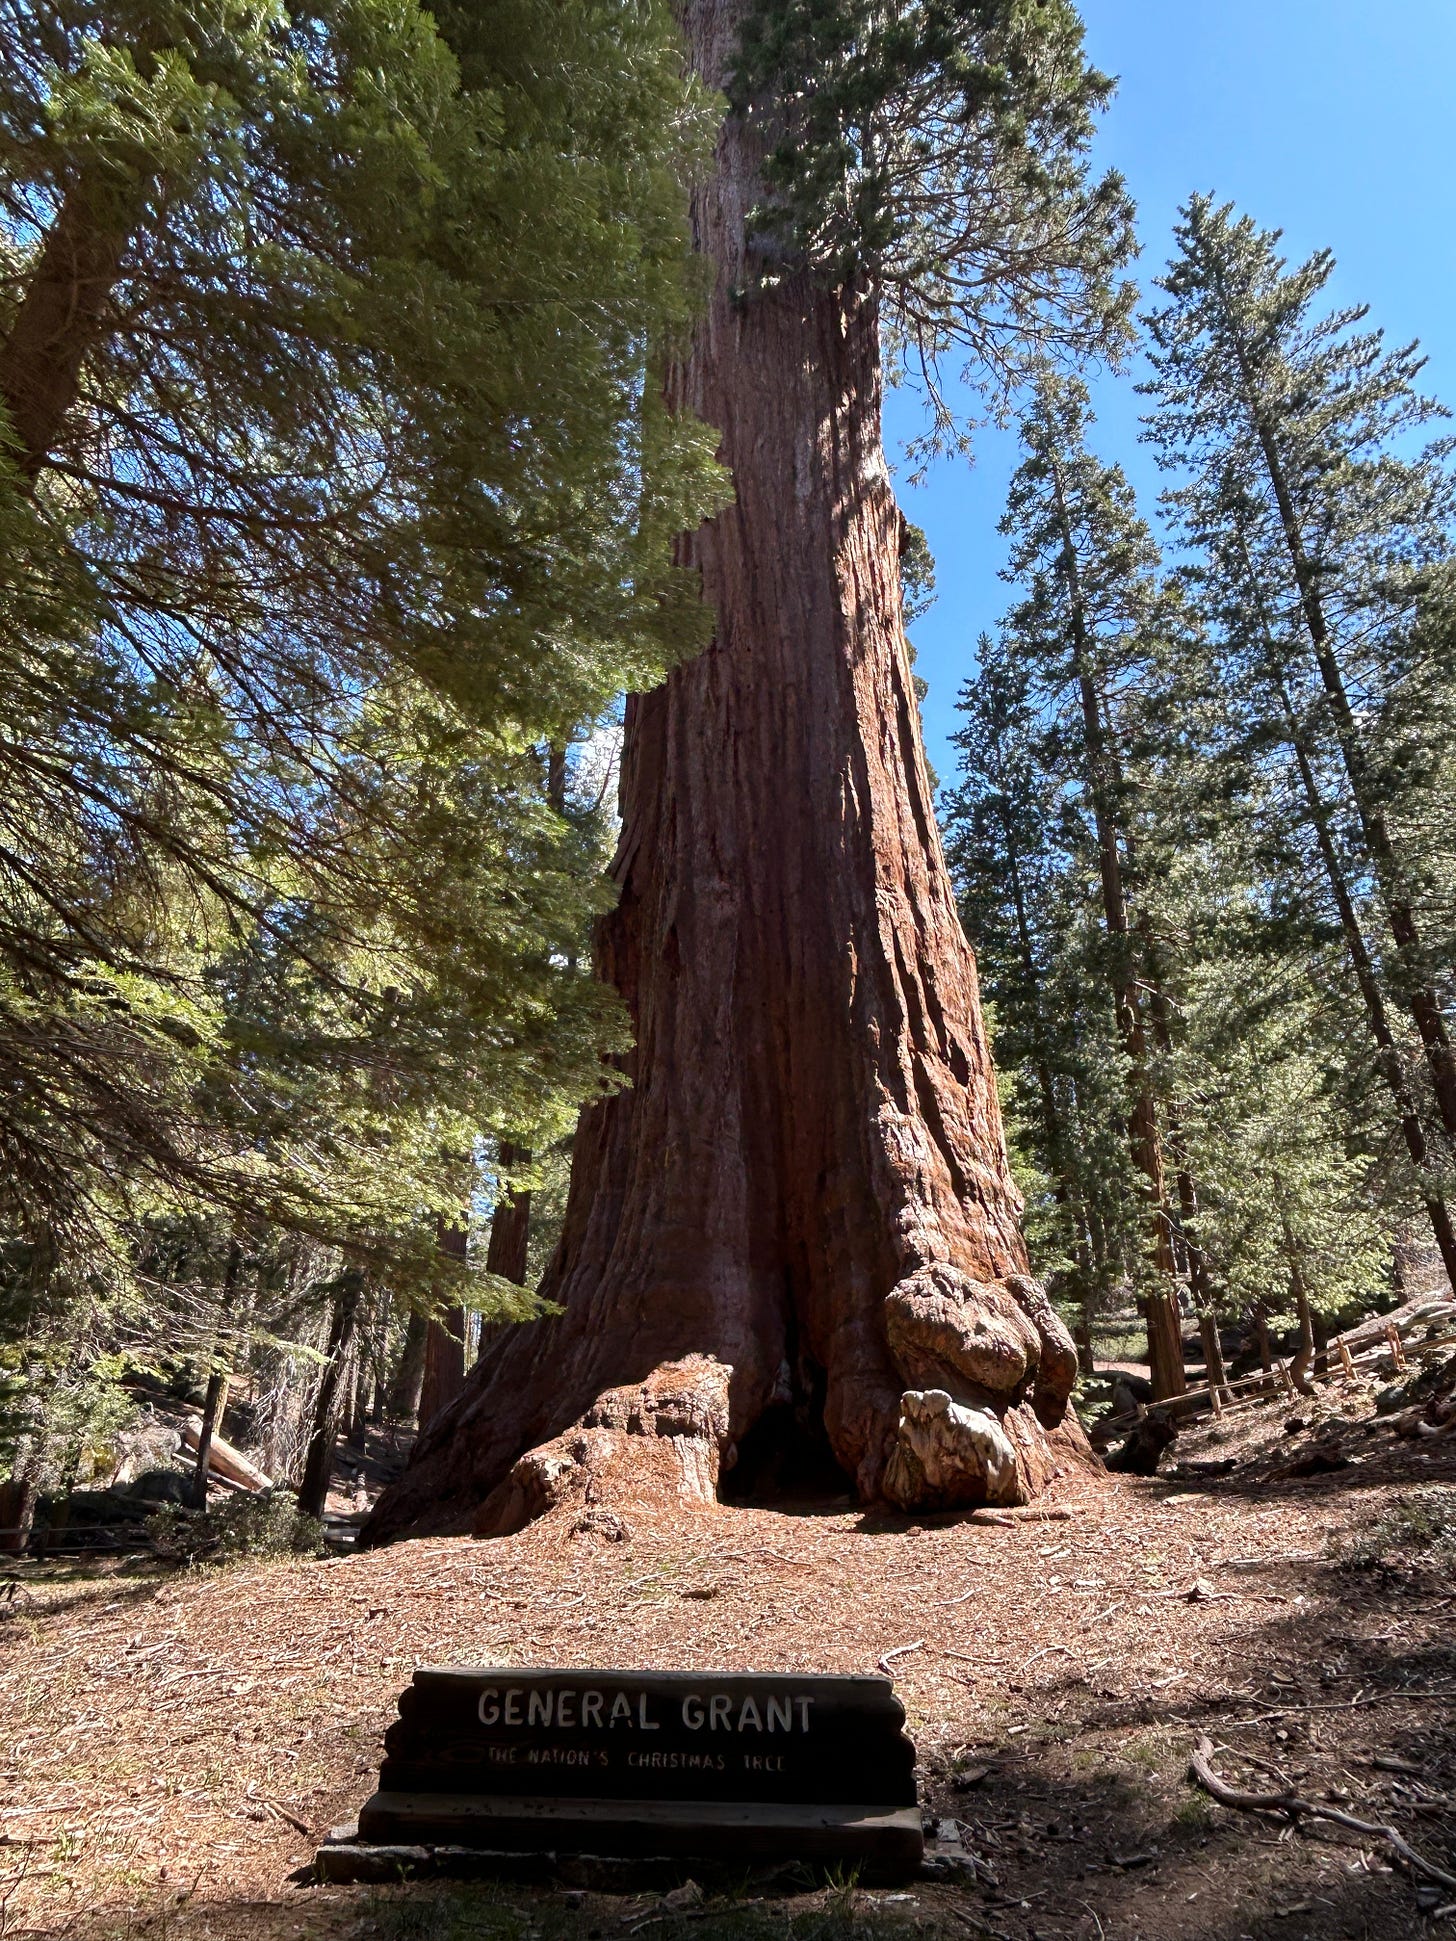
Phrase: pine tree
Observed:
(1034, 920)
(1294, 1218)
(1324, 574)
(1083, 633)
(324, 501)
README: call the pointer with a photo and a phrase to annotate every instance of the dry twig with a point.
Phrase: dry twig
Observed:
(883, 1661)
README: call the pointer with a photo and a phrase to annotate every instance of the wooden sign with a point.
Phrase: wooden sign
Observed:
(742, 1765)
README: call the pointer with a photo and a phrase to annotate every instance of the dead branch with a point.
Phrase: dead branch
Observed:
(883, 1661)
(1024, 1513)
(1201, 1772)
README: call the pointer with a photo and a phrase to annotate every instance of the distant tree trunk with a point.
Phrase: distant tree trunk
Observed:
(1213, 1355)
(510, 1225)
(1301, 1369)
(1165, 1331)
(799, 1220)
(444, 1370)
(18, 1496)
(1261, 1335)
(1200, 1281)
(357, 1414)
(1063, 1186)
(214, 1400)
(409, 1373)
(328, 1404)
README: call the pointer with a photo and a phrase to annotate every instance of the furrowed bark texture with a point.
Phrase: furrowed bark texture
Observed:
(801, 1209)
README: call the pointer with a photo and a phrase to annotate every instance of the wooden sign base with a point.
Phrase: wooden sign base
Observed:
(733, 1767)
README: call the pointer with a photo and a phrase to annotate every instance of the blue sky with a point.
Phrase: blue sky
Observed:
(1334, 120)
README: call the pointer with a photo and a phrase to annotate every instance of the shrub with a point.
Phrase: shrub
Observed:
(270, 1525)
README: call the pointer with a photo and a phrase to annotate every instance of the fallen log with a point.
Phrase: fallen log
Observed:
(231, 1464)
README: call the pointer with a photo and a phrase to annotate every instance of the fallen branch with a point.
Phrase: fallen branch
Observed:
(883, 1661)
(1201, 1772)
(1045, 1652)
(1025, 1513)
(1350, 1704)
(944, 1603)
(277, 1809)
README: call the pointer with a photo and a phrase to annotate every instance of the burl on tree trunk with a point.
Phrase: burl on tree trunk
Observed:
(798, 1221)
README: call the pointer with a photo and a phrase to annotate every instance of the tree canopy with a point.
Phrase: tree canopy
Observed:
(333, 488)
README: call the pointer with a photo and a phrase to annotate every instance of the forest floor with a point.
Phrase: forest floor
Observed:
(173, 1744)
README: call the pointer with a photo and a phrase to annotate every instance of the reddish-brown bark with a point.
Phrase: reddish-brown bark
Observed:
(443, 1375)
(510, 1227)
(62, 313)
(804, 1195)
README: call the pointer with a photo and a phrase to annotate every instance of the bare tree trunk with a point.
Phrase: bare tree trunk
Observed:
(18, 1495)
(409, 1373)
(444, 1370)
(510, 1222)
(1213, 1355)
(1301, 1369)
(801, 1212)
(318, 1464)
(510, 1227)
(214, 1400)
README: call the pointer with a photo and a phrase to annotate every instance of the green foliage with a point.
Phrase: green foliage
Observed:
(917, 573)
(1321, 536)
(1287, 1174)
(241, 1529)
(1144, 927)
(1016, 843)
(341, 490)
(936, 152)
(1047, 835)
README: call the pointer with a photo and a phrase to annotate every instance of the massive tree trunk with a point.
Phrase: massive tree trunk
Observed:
(801, 1208)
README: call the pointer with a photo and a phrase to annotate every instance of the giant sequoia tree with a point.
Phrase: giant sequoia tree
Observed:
(795, 1223)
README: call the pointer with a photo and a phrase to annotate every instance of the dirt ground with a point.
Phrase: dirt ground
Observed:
(173, 1744)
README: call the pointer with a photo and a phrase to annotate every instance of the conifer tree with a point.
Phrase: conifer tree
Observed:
(1022, 883)
(807, 1177)
(327, 501)
(1323, 571)
(1084, 632)
(323, 502)
(1294, 1218)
